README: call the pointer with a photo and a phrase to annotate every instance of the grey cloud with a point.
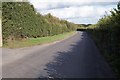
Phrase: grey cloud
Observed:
(69, 4)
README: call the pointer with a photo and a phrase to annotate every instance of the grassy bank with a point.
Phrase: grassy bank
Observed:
(37, 41)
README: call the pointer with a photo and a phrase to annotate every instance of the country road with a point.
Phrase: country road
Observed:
(75, 57)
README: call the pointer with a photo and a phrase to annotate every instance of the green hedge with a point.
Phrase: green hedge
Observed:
(20, 20)
(106, 34)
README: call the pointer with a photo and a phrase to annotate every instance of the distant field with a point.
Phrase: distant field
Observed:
(37, 41)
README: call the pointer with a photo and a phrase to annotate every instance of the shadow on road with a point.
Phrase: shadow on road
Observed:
(81, 61)
(63, 61)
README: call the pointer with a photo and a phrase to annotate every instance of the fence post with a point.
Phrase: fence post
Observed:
(0, 33)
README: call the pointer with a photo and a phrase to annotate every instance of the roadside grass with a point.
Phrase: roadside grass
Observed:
(37, 41)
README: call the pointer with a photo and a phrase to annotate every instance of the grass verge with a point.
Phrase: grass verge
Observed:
(37, 41)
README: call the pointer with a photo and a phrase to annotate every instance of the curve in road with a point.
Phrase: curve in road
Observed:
(75, 57)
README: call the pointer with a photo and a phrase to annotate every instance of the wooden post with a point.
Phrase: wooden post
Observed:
(0, 33)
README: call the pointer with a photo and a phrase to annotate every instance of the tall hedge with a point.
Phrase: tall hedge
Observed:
(106, 34)
(20, 20)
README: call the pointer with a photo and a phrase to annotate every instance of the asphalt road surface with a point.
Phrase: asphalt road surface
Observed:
(75, 57)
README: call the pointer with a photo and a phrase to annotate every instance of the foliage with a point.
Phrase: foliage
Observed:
(106, 35)
(20, 20)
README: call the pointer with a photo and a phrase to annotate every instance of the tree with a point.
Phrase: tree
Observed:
(118, 5)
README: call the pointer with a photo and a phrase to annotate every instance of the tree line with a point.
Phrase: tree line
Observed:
(20, 20)
(106, 34)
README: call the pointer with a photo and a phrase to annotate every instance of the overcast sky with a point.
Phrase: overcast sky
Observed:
(77, 11)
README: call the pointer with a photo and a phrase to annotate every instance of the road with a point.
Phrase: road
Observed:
(75, 57)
